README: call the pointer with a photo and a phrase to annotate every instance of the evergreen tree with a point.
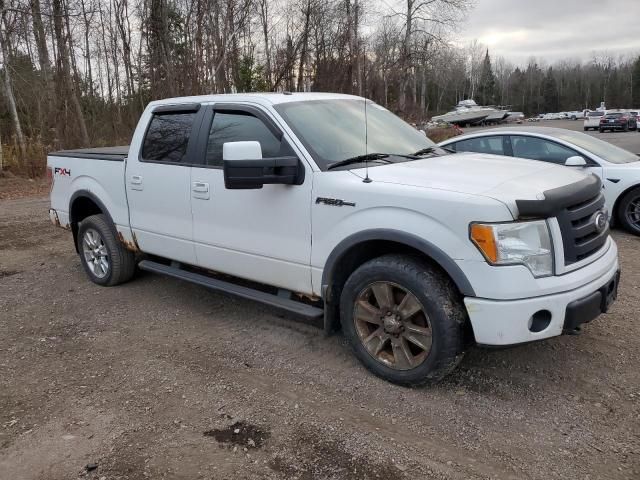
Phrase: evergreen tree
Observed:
(518, 93)
(635, 84)
(550, 92)
(487, 90)
(251, 77)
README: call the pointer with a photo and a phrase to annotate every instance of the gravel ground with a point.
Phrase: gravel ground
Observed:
(163, 379)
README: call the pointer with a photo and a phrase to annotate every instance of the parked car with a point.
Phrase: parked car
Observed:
(635, 114)
(618, 121)
(414, 251)
(618, 169)
(576, 114)
(515, 117)
(592, 120)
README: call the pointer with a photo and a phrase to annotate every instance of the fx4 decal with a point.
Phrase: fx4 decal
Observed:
(334, 202)
(63, 172)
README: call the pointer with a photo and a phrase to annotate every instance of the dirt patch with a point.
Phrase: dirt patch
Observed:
(318, 458)
(18, 187)
(8, 273)
(240, 434)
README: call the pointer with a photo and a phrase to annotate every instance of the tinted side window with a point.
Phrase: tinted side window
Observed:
(167, 137)
(242, 127)
(539, 149)
(491, 145)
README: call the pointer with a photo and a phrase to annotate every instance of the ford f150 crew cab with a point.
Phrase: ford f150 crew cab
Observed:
(331, 207)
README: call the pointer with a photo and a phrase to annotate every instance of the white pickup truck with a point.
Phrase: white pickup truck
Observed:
(331, 207)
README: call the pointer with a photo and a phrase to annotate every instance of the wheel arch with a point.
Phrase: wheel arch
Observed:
(616, 204)
(83, 204)
(360, 247)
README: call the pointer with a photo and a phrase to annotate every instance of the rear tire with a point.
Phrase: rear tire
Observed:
(629, 211)
(103, 257)
(404, 319)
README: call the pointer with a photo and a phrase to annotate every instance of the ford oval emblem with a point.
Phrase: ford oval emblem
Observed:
(600, 221)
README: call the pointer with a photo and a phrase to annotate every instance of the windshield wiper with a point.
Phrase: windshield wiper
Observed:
(358, 159)
(424, 151)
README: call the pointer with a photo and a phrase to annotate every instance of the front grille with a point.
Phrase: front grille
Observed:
(580, 235)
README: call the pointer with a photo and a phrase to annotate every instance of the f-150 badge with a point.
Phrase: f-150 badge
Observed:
(334, 202)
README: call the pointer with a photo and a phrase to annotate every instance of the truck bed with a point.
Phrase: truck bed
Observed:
(115, 154)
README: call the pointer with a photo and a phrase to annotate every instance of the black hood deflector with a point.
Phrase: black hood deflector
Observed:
(557, 199)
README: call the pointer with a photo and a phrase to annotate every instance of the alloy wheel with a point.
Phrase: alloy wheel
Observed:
(632, 212)
(392, 325)
(95, 253)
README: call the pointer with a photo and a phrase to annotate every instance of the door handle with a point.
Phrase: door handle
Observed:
(200, 190)
(136, 182)
(200, 187)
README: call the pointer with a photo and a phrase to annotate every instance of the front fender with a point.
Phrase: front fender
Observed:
(426, 247)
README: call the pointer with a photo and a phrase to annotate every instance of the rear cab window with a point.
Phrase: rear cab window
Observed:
(167, 137)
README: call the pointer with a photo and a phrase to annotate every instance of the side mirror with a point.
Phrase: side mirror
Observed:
(244, 167)
(575, 161)
(241, 151)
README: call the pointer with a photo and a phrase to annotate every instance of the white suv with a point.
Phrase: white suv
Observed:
(592, 120)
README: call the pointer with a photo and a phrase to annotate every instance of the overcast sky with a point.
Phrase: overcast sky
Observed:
(554, 29)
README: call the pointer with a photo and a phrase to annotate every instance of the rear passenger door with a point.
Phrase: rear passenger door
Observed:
(493, 145)
(263, 234)
(158, 183)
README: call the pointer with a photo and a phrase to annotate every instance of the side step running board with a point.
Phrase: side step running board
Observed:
(276, 301)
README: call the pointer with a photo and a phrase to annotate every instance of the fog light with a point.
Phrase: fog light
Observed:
(539, 321)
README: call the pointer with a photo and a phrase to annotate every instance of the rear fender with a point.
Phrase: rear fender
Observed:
(122, 232)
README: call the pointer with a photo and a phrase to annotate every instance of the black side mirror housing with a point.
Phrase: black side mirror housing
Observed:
(253, 174)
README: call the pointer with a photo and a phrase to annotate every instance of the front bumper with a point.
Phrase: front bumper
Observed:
(509, 322)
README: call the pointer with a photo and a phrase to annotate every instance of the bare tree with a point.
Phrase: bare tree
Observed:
(7, 83)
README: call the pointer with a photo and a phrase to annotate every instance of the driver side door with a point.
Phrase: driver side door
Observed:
(261, 234)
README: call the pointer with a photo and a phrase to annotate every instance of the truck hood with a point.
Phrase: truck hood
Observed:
(505, 179)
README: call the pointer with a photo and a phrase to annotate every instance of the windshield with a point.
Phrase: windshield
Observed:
(334, 130)
(596, 114)
(604, 150)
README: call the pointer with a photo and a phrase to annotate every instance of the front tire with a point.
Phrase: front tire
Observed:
(404, 320)
(103, 257)
(629, 211)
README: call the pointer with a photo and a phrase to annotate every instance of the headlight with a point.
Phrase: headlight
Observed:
(518, 243)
